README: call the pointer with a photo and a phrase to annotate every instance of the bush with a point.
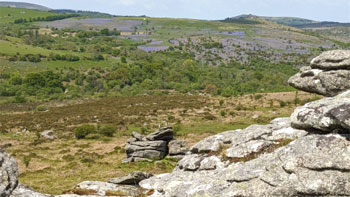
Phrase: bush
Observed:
(26, 160)
(258, 96)
(223, 113)
(209, 116)
(42, 108)
(282, 103)
(107, 130)
(82, 131)
(20, 99)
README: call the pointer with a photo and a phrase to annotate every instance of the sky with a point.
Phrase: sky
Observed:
(320, 10)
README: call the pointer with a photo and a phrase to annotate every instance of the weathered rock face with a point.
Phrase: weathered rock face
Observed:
(178, 148)
(328, 75)
(153, 146)
(164, 134)
(25, 191)
(326, 115)
(97, 188)
(8, 174)
(332, 60)
(326, 83)
(310, 165)
(248, 140)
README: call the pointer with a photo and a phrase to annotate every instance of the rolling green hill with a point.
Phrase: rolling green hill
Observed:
(23, 5)
(290, 21)
(9, 15)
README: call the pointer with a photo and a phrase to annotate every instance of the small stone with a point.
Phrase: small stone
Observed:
(131, 179)
(48, 134)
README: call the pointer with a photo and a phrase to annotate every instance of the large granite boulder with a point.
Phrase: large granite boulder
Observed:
(326, 115)
(329, 74)
(326, 83)
(332, 60)
(8, 174)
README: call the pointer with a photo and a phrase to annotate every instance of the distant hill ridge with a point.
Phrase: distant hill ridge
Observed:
(291, 21)
(23, 5)
(81, 12)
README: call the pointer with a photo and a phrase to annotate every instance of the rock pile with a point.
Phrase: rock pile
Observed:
(8, 174)
(153, 146)
(328, 75)
(305, 155)
(329, 114)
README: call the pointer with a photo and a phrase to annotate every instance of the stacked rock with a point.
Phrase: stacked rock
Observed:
(329, 75)
(152, 146)
(8, 174)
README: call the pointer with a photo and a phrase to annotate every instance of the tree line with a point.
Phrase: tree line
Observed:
(47, 18)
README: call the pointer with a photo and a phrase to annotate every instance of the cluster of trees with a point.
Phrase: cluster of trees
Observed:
(51, 57)
(26, 57)
(211, 45)
(33, 84)
(47, 18)
(103, 32)
(151, 73)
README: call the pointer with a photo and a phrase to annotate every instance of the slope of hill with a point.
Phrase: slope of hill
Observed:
(290, 21)
(9, 15)
(23, 5)
(81, 12)
(322, 25)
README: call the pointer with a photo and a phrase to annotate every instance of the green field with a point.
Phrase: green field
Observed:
(9, 15)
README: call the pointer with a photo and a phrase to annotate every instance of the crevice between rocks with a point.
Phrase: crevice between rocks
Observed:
(327, 169)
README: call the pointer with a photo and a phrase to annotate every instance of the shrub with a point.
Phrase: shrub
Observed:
(223, 113)
(41, 108)
(221, 102)
(282, 103)
(20, 99)
(209, 116)
(171, 118)
(82, 131)
(258, 96)
(26, 160)
(107, 130)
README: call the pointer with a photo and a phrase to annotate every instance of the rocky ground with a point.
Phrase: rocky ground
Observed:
(307, 154)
